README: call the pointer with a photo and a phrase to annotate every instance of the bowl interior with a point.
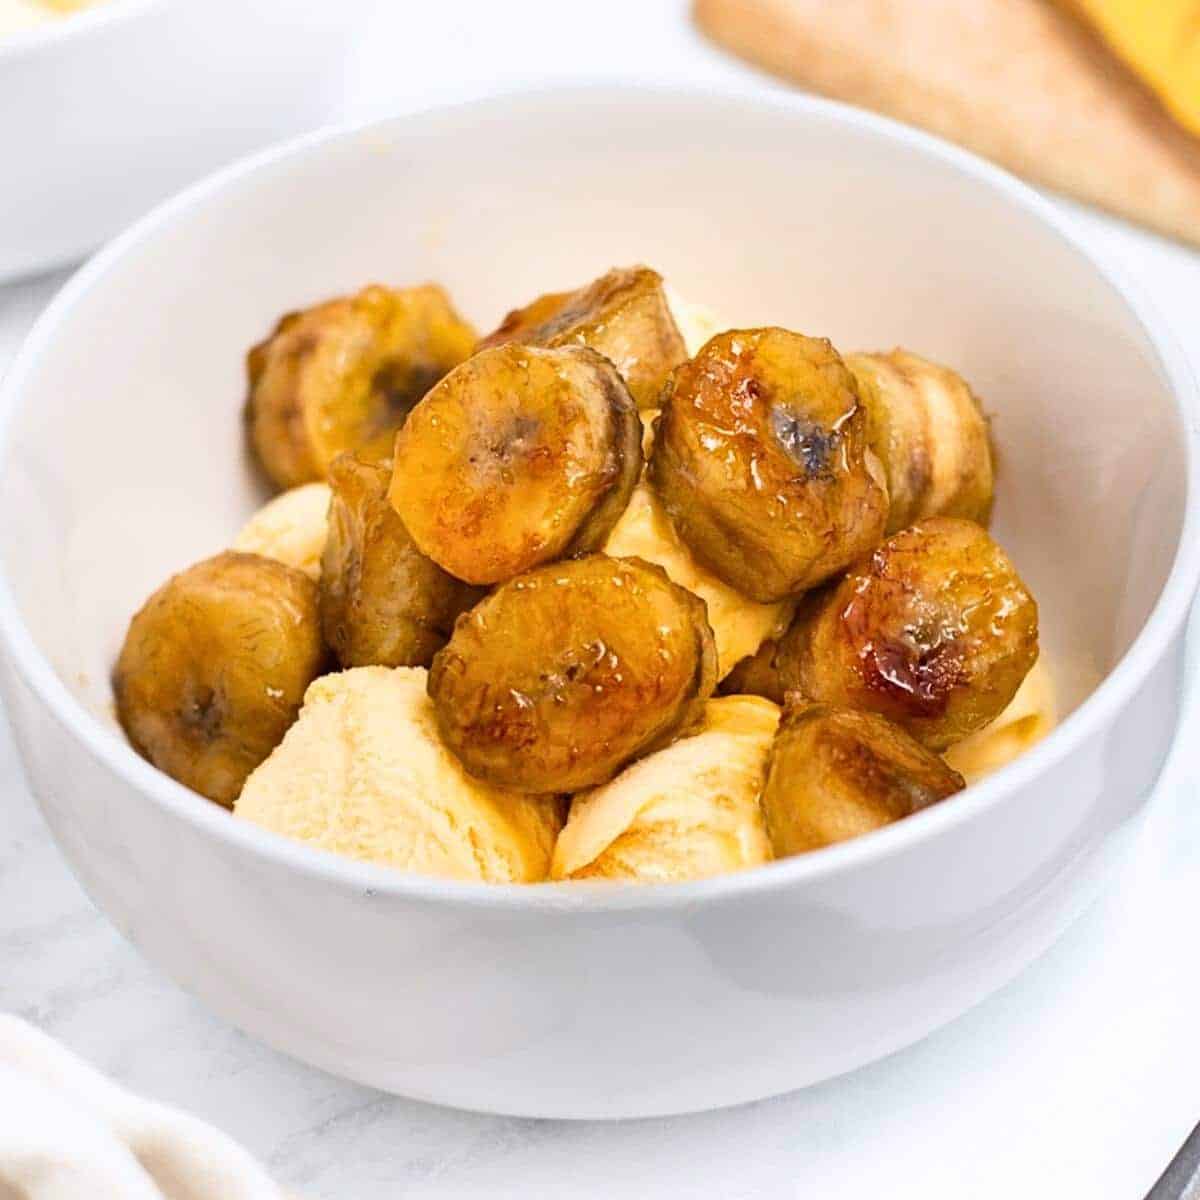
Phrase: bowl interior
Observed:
(124, 459)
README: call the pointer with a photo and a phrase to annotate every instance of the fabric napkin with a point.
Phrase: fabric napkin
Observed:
(66, 1133)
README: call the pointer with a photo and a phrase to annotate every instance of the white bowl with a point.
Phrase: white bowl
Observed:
(104, 113)
(121, 461)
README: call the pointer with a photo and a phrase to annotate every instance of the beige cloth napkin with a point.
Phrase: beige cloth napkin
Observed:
(1020, 81)
(67, 1133)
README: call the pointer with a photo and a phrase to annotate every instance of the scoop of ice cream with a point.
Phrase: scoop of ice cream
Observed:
(687, 812)
(290, 528)
(1030, 715)
(363, 773)
(739, 625)
(696, 324)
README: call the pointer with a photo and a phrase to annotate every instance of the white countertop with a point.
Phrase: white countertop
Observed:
(1079, 1079)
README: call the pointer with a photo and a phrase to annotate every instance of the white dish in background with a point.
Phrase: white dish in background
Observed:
(106, 111)
(120, 461)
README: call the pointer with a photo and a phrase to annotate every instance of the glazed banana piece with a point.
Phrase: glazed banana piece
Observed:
(761, 460)
(835, 774)
(214, 668)
(757, 674)
(928, 429)
(382, 601)
(520, 456)
(345, 374)
(623, 315)
(935, 630)
(563, 675)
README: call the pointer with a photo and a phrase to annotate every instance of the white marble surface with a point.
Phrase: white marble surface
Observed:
(1079, 1079)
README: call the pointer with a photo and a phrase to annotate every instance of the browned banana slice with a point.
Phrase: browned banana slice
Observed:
(214, 668)
(623, 315)
(382, 601)
(757, 674)
(930, 433)
(518, 457)
(761, 460)
(344, 375)
(935, 630)
(835, 774)
(563, 675)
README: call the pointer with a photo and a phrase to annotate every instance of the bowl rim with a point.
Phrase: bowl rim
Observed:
(70, 27)
(377, 881)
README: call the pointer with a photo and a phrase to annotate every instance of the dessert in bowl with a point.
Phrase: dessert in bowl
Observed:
(592, 997)
(569, 534)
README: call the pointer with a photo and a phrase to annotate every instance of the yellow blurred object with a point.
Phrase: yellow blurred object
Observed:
(16, 15)
(1160, 41)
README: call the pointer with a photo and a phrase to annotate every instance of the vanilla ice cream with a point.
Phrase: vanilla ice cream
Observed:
(739, 625)
(689, 811)
(291, 528)
(696, 324)
(1030, 715)
(363, 773)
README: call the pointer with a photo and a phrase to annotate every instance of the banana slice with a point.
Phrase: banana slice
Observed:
(930, 433)
(623, 315)
(935, 631)
(519, 457)
(689, 811)
(563, 675)
(214, 667)
(382, 601)
(290, 529)
(835, 774)
(757, 674)
(761, 461)
(345, 374)
(364, 774)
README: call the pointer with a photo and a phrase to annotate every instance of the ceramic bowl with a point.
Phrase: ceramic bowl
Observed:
(105, 113)
(121, 461)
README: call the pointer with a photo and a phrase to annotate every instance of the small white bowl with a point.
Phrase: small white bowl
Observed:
(105, 112)
(121, 461)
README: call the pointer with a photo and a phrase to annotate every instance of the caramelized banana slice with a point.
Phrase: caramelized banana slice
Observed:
(214, 668)
(623, 315)
(563, 675)
(518, 457)
(757, 674)
(345, 374)
(935, 630)
(930, 433)
(761, 461)
(835, 774)
(382, 601)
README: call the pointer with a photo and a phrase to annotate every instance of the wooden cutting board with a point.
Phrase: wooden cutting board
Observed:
(1020, 81)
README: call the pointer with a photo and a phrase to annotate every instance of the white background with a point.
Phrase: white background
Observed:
(1079, 1080)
